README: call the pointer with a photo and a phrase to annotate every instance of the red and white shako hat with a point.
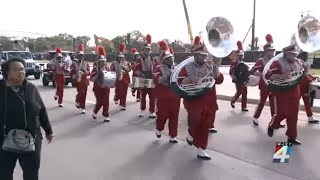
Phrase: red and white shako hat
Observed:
(102, 54)
(291, 49)
(198, 47)
(269, 45)
(147, 45)
(81, 50)
(239, 51)
(166, 53)
(122, 48)
(58, 52)
(134, 51)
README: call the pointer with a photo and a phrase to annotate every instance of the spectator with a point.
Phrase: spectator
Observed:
(23, 112)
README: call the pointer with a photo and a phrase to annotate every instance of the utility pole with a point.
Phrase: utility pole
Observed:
(188, 21)
(253, 26)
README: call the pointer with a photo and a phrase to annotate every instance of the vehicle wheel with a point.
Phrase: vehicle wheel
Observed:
(45, 82)
(37, 75)
(53, 83)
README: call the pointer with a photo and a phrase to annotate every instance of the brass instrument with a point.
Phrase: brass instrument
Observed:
(80, 73)
(306, 38)
(219, 41)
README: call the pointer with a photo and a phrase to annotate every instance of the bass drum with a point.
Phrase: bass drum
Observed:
(242, 74)
(107, 79)
(189, 90)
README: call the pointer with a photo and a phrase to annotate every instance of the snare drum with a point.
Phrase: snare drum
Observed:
(253, 80)
(138, 82)
(315, 89)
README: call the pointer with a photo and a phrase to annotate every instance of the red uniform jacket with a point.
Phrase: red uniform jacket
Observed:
(162, 84)
(210, 98)
(94, 76)
(75, 68)
(58, 69)
(259, 65)
(232, 70)
(115, 67)
(305, 83)
(143, 65)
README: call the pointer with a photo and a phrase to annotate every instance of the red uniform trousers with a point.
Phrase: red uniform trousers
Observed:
(81, 96)
(60, 81)
(121, 91)
(240, 91)
(102, 100)
(199, 119)
(305, 94)
(286, 107)
(152, 101)
(264, 94)
(168, 108)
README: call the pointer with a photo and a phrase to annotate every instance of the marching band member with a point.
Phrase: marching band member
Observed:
(286, 101)
(199, 109)
(58, 69)
(144, 69)
(305, 89)
(212, 128)
(122, 69)
(79, 72)
(168, 103)
(101, 93)
(264, 92)
(241, 90)
(136, 58)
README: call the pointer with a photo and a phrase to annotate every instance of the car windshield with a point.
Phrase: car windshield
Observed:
(22, 55)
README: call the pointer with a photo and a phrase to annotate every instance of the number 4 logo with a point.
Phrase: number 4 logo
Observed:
(282, 154)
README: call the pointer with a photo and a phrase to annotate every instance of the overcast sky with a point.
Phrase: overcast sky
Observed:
(160, 18)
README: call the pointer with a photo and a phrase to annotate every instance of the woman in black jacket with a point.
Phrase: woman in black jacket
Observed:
(22, 108)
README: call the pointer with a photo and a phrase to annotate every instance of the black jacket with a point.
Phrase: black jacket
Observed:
(34, 114)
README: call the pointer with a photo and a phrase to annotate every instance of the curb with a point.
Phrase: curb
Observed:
(256, 101)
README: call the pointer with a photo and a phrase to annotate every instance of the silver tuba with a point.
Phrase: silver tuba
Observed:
(306, 38)
(218, 38)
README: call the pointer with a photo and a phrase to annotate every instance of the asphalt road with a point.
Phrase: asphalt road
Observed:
(127, 148)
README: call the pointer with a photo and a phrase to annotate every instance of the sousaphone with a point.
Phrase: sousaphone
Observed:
(306, 38)
(219, 40)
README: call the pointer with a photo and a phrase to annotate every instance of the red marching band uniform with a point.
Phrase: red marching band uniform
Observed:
(286, 101)
(101, 93)
(200, 109)
(241, 90)
(144, 68)
(80, 68)
(136, 57)
(258, 69)
(122, 69)
(58, 69)
(305, 89)
(168, 102)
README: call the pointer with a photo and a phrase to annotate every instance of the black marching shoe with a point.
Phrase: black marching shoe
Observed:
(202, 154)
(232, 105)
(213, 130)
(245, 109)
(173, 140)
(294, 142)
(158, 134)
(189, 141)
(255, 122)
(270, 131)
(313, 121)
